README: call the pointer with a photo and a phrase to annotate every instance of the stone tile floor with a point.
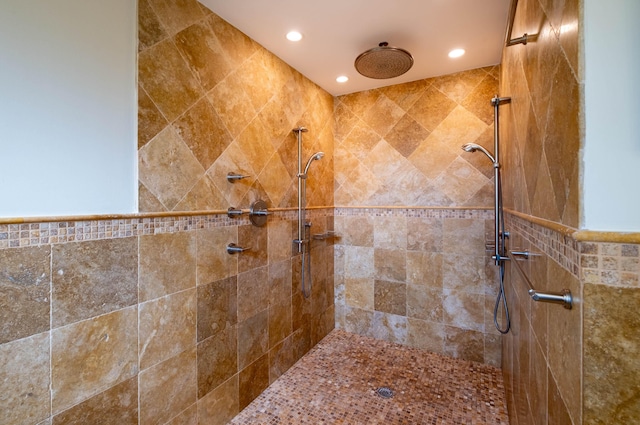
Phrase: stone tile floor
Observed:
(336, 383)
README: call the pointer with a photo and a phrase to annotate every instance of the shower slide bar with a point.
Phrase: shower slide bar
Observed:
(512, 16)
(564, 297)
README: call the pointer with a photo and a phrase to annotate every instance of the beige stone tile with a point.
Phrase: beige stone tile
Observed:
(232, 104)
(610, 355)
(478, 102)
(160, 273)
(220, 405)
(424, 234)
(389, 327)
(24, 292)
(167, 79)
(274, 178)
(493, 350)
(150, 30)
(355, 231)
(115, 406)
(257, 240)
(176, 15)
(203, 132)
(431, 108)
(564, 339)
(538, 380)
(390, 264)
(405, 95)
(217, 307)
(147, 202)
(91, 356)
(432, 156)
(232, 160)
(213, 261)
(217, 360)
(383, 115)
(460, 181)
(167, 327)
(390, 232)
(253, 338)
(93, 278)
(168, 387)
(463, 236)
(425, 269)
(426, 335)
(253, 380)
(168, 168)
(464, 310)
(253, 290)
(390, 297)
(359, 292)
(186, 417)
(203, 53)
(280, 322)
(280, 281)
(464, 273)
(150, 120)
(203, 196)
(463, 344)
(459, 85)
(361, 140)
(406, 135)
(358, 262)
(424, 303)
(236, 44)
(359, 103)
(25, 380)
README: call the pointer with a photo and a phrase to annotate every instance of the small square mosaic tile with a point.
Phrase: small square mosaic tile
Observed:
(352, 379)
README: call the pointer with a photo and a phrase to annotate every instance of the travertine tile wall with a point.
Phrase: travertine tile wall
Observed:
(211, 102)
(561, 366)
(419, 277)
(152, 321)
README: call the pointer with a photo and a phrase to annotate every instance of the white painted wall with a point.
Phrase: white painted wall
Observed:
(68, 107)
(611, 180)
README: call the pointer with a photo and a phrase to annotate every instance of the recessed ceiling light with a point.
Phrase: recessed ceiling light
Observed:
(342, 79)
(294, 36)
(456, 53)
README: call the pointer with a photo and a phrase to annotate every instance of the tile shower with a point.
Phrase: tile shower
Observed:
(148, 319)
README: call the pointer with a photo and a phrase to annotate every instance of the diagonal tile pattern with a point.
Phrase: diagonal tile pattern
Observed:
(398, 145)
(212, 101)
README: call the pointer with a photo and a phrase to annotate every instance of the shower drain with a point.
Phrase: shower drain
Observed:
(384, 392)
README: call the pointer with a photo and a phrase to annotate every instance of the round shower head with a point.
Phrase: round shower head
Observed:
(384, 62)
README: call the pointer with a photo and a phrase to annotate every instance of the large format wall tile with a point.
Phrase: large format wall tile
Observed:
(25, 380)
(90, 356)
(25, 283)
(93, 278)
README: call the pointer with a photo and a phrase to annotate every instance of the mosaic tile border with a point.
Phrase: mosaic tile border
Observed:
(561, 248)
(610, 264)
(413, 212)
(34, 234)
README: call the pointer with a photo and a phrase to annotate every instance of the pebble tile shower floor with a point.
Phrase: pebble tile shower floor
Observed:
(336, 383)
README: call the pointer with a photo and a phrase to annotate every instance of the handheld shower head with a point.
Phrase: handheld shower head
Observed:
(315, 157)
(472, 147)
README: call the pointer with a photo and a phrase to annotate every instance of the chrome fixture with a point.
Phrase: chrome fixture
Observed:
(384, 62)
(500, 234)
(235, 249)
(303, 241)
(564, 297)
(512, 16)
(258, 213)
(233, 212)
(233, 177)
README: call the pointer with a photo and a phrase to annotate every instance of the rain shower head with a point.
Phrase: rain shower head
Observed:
(383, 62)
(472, 147)
(315, 157)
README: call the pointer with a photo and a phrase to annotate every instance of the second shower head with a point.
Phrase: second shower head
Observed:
(472, 147)
(315, 157)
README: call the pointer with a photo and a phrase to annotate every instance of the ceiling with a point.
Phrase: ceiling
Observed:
(335, 32)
